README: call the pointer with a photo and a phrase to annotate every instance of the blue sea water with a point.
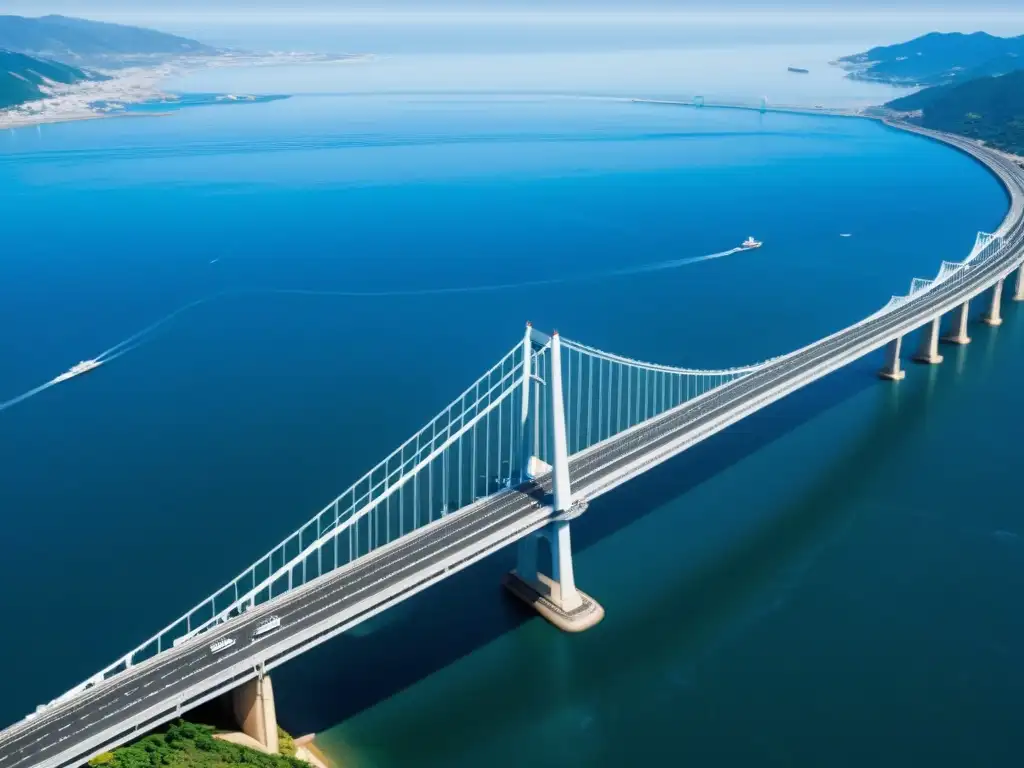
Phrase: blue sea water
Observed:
(833, 582)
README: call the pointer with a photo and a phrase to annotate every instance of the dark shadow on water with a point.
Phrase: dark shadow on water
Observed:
(380, 658)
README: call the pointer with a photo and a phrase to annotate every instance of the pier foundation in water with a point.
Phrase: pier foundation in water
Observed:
(554, 597)
(892, 370)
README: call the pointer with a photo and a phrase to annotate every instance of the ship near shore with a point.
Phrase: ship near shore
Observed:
(799, 70)
(76, 370)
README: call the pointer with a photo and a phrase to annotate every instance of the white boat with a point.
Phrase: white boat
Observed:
(750, 242)
(846, 234)
(83, 367)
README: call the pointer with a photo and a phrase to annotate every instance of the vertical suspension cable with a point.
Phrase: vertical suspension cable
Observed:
(618, 413)
(590, 395)
(608, 415)
(538, 410)
(501, 422)
(444, 484)
(639, 397)
(579, 396)
(571, 436)
(647, 400)
(629, 394)
(511, 426)
(546, 446)
(487, 446)
(416, 490)
(474, 482)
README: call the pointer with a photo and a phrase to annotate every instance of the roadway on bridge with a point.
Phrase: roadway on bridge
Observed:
(157, 690)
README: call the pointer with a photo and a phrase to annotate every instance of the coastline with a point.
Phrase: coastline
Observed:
(79, 101)
(95, 99)
(865, 113)
(315, 756)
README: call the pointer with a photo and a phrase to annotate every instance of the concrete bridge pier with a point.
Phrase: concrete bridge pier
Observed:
(958, 329)
(1018, 290)
(253, 706)
(555, 597)
(892, 370)
(993, 316)
(928, 352)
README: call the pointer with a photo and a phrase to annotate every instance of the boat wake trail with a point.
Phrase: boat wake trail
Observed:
(25, 395)
(593, 277)
(102, 356)
(140, 337)
(122, 351)
(674, 263)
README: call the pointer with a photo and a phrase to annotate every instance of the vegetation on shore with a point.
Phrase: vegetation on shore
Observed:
(23, 78)
(938, 59)
(81, 42)
(187, 745)
(989, 108)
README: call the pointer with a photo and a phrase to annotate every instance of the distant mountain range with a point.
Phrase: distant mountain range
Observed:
(22, 77)
(987, 108)
(938, 59)
(92, 43)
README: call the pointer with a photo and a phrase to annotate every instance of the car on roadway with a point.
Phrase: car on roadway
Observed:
(266, 626)
(222, 645)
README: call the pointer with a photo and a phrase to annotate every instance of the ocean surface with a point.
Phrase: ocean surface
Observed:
(835, 582)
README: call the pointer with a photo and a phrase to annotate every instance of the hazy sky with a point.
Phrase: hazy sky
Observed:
(887, 17)
(362, 7)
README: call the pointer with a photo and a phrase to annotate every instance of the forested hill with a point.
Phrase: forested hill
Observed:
(21, 77)
(79, 41)
(988, 108)
(938, 59)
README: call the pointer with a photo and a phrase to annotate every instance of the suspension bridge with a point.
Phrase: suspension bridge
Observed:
(515, 458)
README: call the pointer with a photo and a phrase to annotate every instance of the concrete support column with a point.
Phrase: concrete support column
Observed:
(892, 370)
(526, 558)
(1018, 290)
(253, 704)
(928, 352)
(958, 328)
(566, 596)
(993, 316)
(525, 433)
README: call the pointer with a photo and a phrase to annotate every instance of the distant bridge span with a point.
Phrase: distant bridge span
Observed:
(553, 424)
